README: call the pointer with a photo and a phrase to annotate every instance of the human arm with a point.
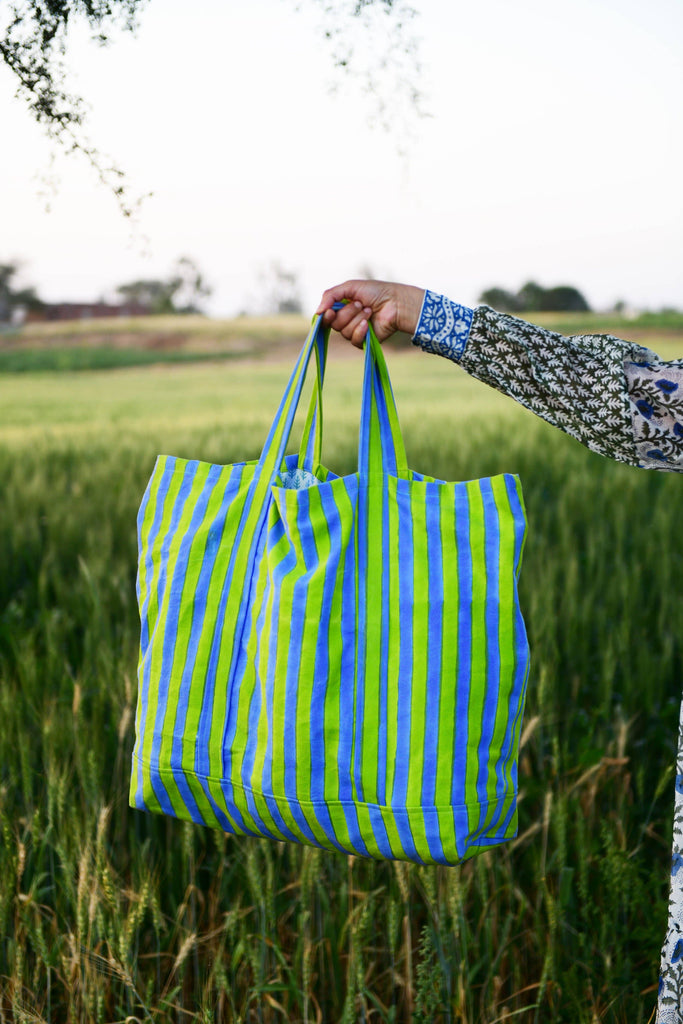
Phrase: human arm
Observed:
(614, 396)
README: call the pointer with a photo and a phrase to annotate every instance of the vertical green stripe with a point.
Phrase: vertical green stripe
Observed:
(307, 646)
(449, 667)
(420, 661)
(393, 661)
(336, 639)
(394, 626)
(477, 541)
(367, 730)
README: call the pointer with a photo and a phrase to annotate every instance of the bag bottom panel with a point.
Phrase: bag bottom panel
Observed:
(446, 834)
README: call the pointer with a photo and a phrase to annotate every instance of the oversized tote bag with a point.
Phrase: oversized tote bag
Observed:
(339, 661)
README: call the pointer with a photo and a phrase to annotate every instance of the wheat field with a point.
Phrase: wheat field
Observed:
(108, 914)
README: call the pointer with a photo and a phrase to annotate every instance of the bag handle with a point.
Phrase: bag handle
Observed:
(310, 450)
(380, 444)
(311, 444)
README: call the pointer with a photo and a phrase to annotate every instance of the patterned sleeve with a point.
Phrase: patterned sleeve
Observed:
(656, 396)
(614, 396)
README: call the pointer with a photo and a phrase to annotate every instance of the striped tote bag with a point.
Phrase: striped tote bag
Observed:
(339, 661)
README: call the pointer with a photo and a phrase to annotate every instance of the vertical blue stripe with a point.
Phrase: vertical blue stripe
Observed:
(436, 626)
(350, 635)
(405, 672)
(356, 839)
(385, 640)
(310, 442)
(362, 555)
(297, 626)
(278, 434)
(273, 805)
(492, 556)
(160, 792)
(388, 452)
(379, 831)
(321, 679)
(434, 658)
(463, 638)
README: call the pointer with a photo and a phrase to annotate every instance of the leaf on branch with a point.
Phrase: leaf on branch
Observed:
(33, 46)
(373, 45)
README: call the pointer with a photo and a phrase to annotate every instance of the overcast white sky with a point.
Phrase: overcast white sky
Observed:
(554, 151)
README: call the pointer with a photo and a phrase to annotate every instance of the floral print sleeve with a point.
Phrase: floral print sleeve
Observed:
(614, 396)
(655, 392)
(670, 996)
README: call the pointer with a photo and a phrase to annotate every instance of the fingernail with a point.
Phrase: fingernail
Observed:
(358, 305)
(367, 311)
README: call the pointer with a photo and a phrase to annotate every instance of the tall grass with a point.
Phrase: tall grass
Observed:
(107, 914)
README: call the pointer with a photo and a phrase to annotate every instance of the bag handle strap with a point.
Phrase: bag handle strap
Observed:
(310, 450)
(276, 443)
(380, 444)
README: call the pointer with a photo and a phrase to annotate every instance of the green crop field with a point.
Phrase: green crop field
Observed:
(108, 914)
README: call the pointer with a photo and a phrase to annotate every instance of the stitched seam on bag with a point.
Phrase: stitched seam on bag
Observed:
(418, 808)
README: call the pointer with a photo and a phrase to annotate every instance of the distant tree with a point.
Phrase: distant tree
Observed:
(34, 38)
(13, 298)
(564, 298)
(182, 292)
(193, 289)
(155, 294)
(530, 296)
(279, 290)
(533, 298)
(500, 299)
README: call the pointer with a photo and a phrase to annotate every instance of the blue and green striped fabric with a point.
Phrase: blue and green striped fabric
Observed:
(332, 660)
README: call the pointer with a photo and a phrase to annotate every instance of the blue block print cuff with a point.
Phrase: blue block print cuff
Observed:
(443, 327)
